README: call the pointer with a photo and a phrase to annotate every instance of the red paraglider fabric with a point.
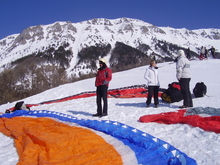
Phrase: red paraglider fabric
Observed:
(206, 123)
(127, 92)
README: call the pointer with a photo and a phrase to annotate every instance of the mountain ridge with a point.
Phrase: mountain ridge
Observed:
(45, 56)
(132, 32)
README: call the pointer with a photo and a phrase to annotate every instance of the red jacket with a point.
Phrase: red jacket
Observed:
(103, 77)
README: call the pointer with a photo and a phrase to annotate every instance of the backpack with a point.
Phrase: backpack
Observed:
(19, 106)
(173, 93)
(199, 90)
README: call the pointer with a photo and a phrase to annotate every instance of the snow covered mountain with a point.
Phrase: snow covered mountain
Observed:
(102, 33)
(45, 56)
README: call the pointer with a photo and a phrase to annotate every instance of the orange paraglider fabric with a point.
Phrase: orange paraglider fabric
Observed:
(44, 141)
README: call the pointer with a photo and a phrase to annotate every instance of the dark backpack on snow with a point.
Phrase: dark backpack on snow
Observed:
(200, 89)
(173, 93)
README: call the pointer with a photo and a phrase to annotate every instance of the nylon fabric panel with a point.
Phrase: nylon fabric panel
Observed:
(45, 141)
(206, 123)
(127, 92)
(147, 148)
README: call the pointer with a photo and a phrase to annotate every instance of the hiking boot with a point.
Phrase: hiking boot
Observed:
(147, 106)
(183, 106)
(96, 115)
(104, 114)
(156, 106)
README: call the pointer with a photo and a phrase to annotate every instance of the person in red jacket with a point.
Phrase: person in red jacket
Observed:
(103, 77)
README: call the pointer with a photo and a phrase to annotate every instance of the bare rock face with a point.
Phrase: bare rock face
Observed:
(31, 33)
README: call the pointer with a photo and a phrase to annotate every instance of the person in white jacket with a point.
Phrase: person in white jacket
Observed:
(183, 76)
(151, 75)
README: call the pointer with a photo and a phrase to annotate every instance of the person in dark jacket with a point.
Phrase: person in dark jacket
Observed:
(212, 49)
(103, 77)
(183, 76)
(206, 53)
(188, 54)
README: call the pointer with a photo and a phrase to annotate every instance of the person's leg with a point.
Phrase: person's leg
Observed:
(99, 101)
(213, 55)
(105, 99)
(150, 93)
(187, 98)
(189, 94)
(156, 89)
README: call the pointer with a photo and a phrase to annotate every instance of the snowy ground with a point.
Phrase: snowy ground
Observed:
(198, 144)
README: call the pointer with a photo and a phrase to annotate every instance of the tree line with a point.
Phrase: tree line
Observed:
(29, 78)
(41, 71)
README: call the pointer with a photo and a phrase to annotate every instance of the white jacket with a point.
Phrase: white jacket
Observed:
(151, 75)
(182, 67)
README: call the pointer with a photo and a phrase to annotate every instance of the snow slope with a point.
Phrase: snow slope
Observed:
(196, 143)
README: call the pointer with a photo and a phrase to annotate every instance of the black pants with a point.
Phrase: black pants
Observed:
(152, 90)
(101, 93)
(187, 98)
(213, 55)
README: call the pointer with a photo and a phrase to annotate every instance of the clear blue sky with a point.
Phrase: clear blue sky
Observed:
(17, 15)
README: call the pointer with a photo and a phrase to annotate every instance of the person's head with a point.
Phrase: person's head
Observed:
(153, 63)
(181, 53)
(102, 62)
